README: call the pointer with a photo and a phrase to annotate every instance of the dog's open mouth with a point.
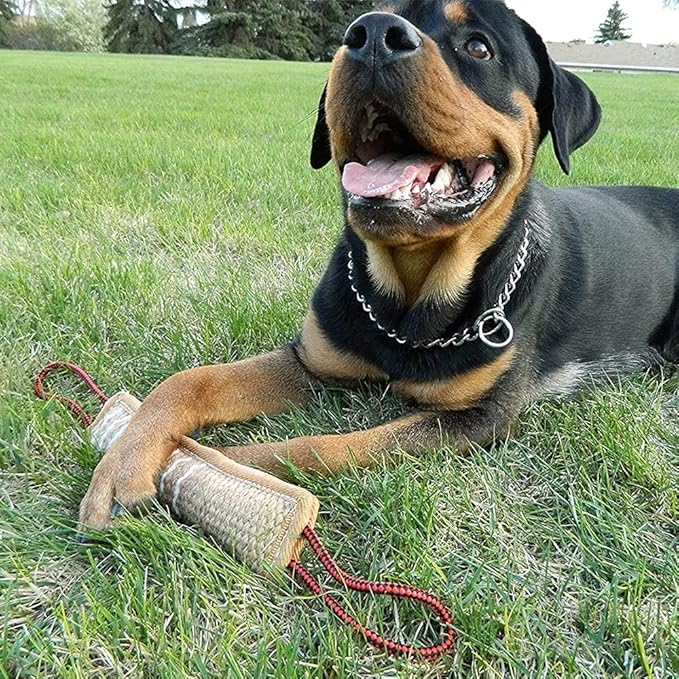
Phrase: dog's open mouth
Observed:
(392, 169)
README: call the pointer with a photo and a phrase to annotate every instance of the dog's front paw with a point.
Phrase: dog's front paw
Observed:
(119, 481)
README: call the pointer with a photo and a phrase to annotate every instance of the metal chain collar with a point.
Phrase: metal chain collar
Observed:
(481, 329)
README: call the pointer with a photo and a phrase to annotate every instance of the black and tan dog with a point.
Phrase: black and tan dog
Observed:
(467, 286)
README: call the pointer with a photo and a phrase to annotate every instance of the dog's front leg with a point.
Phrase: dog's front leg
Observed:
(414, 433)
(186, 401)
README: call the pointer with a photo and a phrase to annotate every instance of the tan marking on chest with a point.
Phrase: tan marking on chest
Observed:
(439, 270)
(321, 358)
(461, 391)
(382, 271)
(414, 266)
(449, 278)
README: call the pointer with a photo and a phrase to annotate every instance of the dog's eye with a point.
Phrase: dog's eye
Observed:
(479, 49)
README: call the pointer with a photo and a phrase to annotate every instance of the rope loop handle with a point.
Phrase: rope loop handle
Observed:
(70, 404)
(394, 589)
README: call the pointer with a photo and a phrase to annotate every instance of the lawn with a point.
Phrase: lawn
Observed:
(159, 213)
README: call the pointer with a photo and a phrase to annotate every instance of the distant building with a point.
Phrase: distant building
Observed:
(616, 53)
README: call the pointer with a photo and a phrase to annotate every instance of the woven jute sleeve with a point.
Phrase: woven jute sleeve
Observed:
(253, 515)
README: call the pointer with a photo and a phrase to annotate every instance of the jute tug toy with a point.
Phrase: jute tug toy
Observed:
(254, 516)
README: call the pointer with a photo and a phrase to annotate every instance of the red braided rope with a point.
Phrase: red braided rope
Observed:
(73, 406)
(394, 589)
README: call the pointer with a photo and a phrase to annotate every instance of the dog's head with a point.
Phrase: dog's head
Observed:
(433, 113)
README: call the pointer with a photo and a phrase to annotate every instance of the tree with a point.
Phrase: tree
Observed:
(67, 25)
(77, 24)
(281, 28)
(146, 26)
(226, 34)
(251, 28)
(329, 20)
(611, 28)
(7, 12)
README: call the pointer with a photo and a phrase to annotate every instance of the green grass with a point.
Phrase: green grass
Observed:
(159, 213)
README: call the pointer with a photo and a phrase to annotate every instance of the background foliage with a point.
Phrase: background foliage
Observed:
(296, 30)
(64, 25)
(144, 26)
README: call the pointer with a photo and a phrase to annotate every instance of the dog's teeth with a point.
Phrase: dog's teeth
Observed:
(416, 189)
(400, 194)
(376, 131)
(443, 179)
(365, 131)
(437, 186)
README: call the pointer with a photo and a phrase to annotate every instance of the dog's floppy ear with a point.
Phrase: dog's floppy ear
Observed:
(566, 106)
(320, 145)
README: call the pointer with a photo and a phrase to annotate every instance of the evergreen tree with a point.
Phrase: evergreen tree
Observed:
(282, 28)
(7, 13)
(146, 26)
(263, 29)
(611, 28)
(252, 28)
(226, 34)
(329, 20)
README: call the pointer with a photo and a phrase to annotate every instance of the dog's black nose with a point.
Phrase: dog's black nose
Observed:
(379, 38)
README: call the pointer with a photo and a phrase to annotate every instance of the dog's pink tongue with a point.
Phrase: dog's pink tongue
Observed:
(387, 173)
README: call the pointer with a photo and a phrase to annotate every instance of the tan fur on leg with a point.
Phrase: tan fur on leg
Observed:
(332, 453)
(184, 402)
